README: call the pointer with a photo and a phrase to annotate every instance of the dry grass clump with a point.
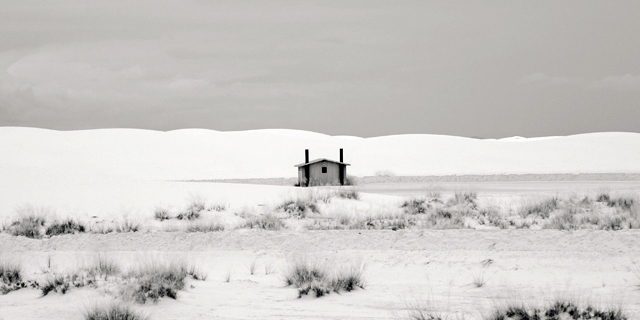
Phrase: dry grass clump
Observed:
(161, 214)
(104, 267)
(68, 226)
(112, 311)
(10, 277)
(61, 283)
(154, 280)
(560, 309)
(317, 278)
(266, 221)
(541, 209)
(348, 193)
(299, 207)
(415, 205)
(211, 226)
(129, 225)
(467, 198)
(30, 222)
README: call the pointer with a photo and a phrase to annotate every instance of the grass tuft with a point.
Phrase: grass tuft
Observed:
(211, 226)
(154, 280)
(415, 205)
(68, 226)
(313, 277)
(10, 277)
(112, 311)
(348, 193)
(129, 225)
(30, 222)
(298, 208)
(161, 214)
(266, 221)
(541, 209)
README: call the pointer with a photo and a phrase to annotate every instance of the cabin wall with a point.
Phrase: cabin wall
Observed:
(332, 177)
(301, 178)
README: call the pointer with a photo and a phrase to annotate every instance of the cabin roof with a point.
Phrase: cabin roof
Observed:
(320, 160)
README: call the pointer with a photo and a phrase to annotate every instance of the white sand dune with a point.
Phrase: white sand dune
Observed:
(207, 154)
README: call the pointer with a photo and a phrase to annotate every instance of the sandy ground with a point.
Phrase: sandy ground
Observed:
(435, 267)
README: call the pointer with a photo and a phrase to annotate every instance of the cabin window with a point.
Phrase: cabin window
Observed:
(324, 169)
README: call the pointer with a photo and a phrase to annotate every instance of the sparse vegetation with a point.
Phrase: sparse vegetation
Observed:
(201, 226)
(348, 193)
(10, 277)
(104, 267)
(557, 310)
(61, 283)
(467, 198)
(266, 221)
(479, 279)
(112, 311)
(67, 226)
(299, 207)
(30, 222)
(161, 214)
(415, 205)
(540, 209)
(154, 280)
(317, 278)
(253, 266)
(129, 225)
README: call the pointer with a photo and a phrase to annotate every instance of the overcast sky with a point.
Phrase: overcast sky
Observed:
(470, 68)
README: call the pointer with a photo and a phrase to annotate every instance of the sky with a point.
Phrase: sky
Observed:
(487, 69)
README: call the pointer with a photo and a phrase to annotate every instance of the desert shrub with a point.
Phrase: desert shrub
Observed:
(434, 196)
(300, 271)
(266, 221)
(622, 202)
(128, 225)
(559, 309)
(603, 196)
(30, 222)
(210, 226)
(541, 209)
(464, 198)
(161, 214)
(68, 226)
(190, 214)
(445, 218)
(565, 220)
(491, 217)
(10, 277)
(299, 207)
(415, 205)
(61, 283)
(218, 206)
(348, 193)
(112, 311)
(155, 280)
(314, 277)
(348, 277)
(102, 266)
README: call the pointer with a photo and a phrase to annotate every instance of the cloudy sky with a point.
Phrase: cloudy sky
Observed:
(470, 68)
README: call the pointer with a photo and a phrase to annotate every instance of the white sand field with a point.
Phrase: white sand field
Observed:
(107, 176)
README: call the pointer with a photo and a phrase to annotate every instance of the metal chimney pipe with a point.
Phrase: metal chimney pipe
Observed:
(341, 160)
(306, 155)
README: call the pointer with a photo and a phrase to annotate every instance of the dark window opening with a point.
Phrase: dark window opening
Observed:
(324, 169)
